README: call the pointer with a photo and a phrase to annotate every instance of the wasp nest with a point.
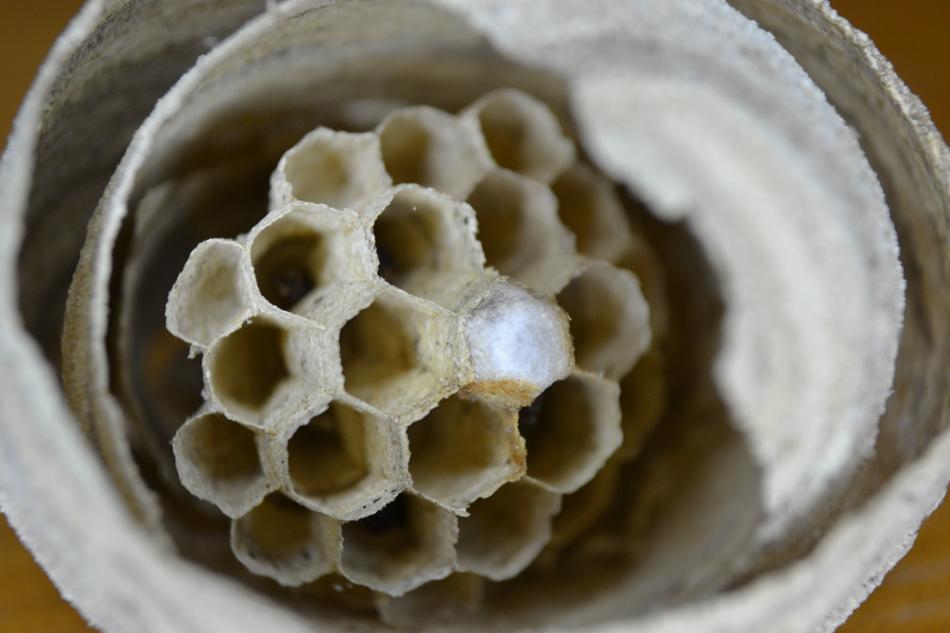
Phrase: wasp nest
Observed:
(445, 367)
(416, 353)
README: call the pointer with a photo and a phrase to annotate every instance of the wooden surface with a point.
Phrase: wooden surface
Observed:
(915, 597)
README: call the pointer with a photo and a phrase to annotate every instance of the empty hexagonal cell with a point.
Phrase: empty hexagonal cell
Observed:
(402, 546)
(641, 259)
(643, 394)
(590, 207)
(520, 232)
(336, 591)
(463, 450)
(211, 295)
(339, 169)
(522, 134)
(393, 355)
(610, 319)
(299, 251)
(426, 245)
(580, 510)
(218, 461)
(346, 462)
(429, 147)
(437, 601)
(287, 542)
(571, 431)
(247, 371)
(506, 531)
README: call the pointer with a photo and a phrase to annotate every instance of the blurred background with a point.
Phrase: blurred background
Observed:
(913, 34)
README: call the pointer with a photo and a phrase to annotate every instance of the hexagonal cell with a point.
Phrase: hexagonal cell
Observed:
(522, 134)
(426, 245)
(643, 394)
(247, 372)
(610, 319)
(432, 148)
(641, 259)
(328, 453)
(218, 461)
(463, 450)
(404, 545)
(572, 431)
(434, 602)
(299, 251)
(336, 591)
(518, 343)
(339, 169)
(520, 231)
(506, 531)
(284, 541)
(345, 462)
(580, 510)
(211, 295)
(393, 355)
(590, 207)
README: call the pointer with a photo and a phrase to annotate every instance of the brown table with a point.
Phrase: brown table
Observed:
(915, 596)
